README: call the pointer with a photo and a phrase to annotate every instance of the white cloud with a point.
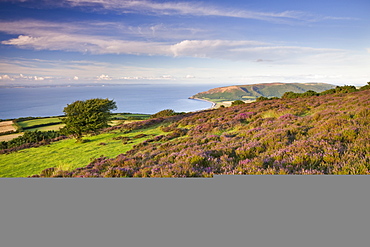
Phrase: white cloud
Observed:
(209, 48)
(103, 45)
(80, 37)
(87, 44)
(6, 77)
(75, 78)
(22, 77)
(71, 37)
(113, 30)
(236, 50)
(38, 78)
(104, 77)
(256, 51)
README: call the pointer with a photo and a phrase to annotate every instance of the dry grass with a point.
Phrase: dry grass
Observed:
(9, 137)
(7, 126)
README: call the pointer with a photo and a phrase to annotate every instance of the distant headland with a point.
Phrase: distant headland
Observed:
(248, 93)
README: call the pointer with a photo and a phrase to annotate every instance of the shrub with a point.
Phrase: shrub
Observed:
(30, 139)
(237, 102)
(340, 89)
(261, 98)
(290, 95)
(366, 87)
(163, 113)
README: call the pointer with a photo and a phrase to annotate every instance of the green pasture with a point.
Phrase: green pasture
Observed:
(68, 154)
(41, 121)
(55, 127)
(54, 123)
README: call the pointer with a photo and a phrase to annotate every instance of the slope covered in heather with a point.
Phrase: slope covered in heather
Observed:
(328, 134)
(253, 91)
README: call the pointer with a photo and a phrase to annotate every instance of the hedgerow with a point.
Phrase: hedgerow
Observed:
(30, 139)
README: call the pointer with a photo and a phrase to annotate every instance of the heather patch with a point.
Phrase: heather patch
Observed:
(310, 135)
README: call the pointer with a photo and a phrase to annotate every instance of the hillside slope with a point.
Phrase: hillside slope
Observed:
(253, 91)
(327, 134)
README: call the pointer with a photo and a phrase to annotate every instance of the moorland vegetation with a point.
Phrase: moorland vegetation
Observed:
(326, 133)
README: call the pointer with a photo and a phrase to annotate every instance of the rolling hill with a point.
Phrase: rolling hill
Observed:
(326, 134)
(253, 91)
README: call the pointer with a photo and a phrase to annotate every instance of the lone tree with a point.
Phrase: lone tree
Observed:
(82, 117)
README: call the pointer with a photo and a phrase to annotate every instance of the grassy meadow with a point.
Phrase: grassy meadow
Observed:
(39, 121)
(67, 154)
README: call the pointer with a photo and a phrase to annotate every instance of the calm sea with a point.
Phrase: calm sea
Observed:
(50, 101)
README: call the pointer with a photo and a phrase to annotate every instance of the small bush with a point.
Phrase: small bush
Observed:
(237, 102)
(366, 87)
(163, 113)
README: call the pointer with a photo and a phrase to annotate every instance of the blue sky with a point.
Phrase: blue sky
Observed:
(158, 41)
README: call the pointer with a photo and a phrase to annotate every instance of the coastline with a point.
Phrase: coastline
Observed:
(213, 103)
(216, 105)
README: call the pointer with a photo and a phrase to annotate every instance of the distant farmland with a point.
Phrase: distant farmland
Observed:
(7, 126)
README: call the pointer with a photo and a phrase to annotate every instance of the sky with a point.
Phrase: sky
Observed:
(186, 41)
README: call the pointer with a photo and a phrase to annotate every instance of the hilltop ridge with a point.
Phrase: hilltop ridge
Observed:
(253, 91)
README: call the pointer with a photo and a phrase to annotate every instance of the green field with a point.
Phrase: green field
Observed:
(47, 128)
(54, 123)
(68, 154)
(36, 122)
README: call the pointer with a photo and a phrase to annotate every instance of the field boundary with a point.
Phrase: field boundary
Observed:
(41, 125)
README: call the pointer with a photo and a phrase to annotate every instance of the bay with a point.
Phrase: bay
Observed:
(132, 98)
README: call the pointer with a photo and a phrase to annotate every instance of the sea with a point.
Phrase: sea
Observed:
(130, 98)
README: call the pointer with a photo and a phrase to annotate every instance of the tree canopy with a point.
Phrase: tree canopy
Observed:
(82, 117)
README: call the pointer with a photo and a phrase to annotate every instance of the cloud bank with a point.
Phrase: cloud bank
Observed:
(42, 35)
